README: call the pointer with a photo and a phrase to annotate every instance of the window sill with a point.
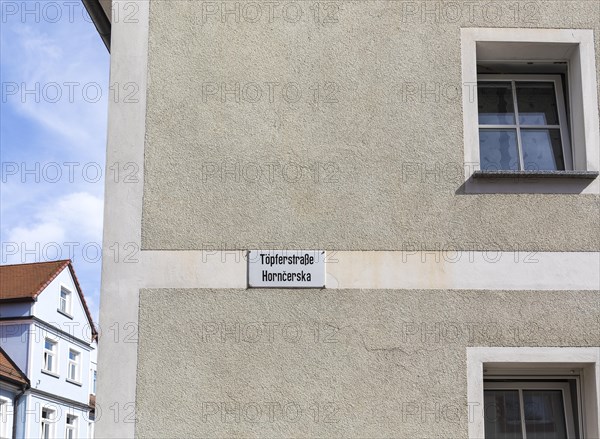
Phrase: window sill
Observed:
(77, 383)
(52, 374)
(583, 175)
(531, 182)
(64, 313)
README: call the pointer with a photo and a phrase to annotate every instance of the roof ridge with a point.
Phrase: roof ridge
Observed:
(36, 263)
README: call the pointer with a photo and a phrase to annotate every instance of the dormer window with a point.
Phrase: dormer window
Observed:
(64, 304)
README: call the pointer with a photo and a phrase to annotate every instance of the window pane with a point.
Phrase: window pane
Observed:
(502, 414)
(537, 103)
(498, 150)
(544, 414)
(542, 150)
(495, 103)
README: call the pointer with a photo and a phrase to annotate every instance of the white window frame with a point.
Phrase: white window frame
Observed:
(575, 47)
(517, 360)
(53, 353)
(560, 105)
(541, 385)
(71, 427)
(68, 301)
(76, 363)
(47, 424)
(6, 418)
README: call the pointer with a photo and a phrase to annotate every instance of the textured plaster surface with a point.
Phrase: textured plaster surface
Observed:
(385, 131)
(375, 363)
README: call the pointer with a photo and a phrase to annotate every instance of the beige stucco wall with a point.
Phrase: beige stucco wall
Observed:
(377, 363)
(370, 146)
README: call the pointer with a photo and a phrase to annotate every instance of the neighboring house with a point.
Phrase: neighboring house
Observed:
(49, 352)
(13, 384)
(444, 154)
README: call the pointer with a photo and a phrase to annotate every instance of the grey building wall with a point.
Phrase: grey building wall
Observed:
(340, 132)
(369, 363)
(359, 146)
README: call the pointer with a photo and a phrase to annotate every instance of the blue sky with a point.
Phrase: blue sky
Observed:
(53, 112)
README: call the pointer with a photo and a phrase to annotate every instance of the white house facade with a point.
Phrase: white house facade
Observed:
(47, 332)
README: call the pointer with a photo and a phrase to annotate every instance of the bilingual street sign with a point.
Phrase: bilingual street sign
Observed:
(286, 269)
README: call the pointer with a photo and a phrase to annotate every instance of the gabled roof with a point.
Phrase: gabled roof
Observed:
(25, 282)
(9, 371)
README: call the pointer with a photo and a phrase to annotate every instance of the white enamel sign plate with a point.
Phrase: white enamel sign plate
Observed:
(286, 269)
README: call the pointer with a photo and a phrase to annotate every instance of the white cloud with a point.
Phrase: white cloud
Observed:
(59, 229)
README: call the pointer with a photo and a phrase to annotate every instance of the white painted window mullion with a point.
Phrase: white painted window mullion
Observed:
(519, 143)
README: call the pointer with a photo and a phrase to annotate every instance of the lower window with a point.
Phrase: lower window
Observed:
(47, 424)
(71, 427)
(524, 409)
(533, 392)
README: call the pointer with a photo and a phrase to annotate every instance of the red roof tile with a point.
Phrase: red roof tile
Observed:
(26, 281)
(10, 371)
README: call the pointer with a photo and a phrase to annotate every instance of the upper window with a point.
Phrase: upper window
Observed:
(64, 304)
(73, 369)
(530, 106)
(50, 348)
(523, 123)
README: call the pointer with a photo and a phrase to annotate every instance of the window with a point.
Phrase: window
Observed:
(73, 368)
(47, 424)
(533, 393)
(94, 377)
(50, 348)
(523, 123)
(71, 427)
(64, 304)
(530, 108)
(5, 419)
(529, 409)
